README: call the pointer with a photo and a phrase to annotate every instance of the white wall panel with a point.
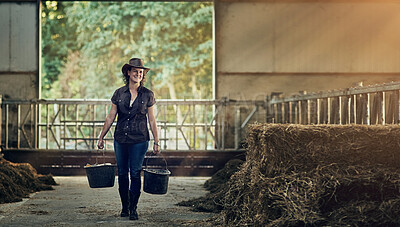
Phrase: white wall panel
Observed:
(24, 53)
(4, 36)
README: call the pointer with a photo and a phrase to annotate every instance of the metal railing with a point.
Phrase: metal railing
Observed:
(377, 104)
(191, 125)
(74, 124)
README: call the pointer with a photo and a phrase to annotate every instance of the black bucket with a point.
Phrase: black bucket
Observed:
(156, 180)
(101, 175)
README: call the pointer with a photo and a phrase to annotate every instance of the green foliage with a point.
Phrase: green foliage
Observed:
(58, 39)
(173, 38)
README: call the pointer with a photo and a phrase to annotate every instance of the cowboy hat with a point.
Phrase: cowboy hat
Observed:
(136, 63)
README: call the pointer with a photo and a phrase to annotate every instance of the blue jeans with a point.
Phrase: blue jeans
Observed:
(130, 159)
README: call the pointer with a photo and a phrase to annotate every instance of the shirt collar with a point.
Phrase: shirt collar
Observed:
(126, 88)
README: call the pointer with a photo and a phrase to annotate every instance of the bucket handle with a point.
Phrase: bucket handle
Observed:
(166, 165)
(104, 157)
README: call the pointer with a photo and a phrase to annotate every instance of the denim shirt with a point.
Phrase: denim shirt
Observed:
(132, 121)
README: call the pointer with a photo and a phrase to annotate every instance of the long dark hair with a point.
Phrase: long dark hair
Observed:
(126, 77)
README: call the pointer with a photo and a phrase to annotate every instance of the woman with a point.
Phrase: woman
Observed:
(132, 103)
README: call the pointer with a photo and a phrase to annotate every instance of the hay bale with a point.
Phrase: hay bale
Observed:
(220, 178)
(217, 186)
(316, 175)
(17, 181)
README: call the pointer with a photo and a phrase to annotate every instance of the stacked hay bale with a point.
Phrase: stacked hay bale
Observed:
(18, 180)
(317, 175)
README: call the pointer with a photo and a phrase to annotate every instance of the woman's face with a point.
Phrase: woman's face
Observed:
(135, 75)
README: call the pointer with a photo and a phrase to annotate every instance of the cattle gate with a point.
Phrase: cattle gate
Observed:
(197, 136)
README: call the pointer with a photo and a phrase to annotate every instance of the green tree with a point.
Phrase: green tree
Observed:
(173, 38)
(58, 39)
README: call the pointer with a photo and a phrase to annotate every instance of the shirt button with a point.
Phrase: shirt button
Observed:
(129, 112)
(128, 119)
(126, 134)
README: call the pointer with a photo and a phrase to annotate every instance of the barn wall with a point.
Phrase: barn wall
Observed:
(19, 51)
(266, 46)
(19, 57)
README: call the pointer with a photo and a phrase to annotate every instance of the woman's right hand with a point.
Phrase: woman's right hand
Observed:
(100, 144)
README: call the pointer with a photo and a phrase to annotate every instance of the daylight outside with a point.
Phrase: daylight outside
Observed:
(266, 113)
(85, 44)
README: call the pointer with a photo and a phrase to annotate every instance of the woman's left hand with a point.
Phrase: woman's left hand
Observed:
(156, 149)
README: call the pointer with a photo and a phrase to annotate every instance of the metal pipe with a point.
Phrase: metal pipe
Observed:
(194, 127)
(205, 127)
(237, 126)
(76, 125)
(6, 125)
(19, 126)
(47, 126)
(64, 125)
(36, 120)
(1, 119)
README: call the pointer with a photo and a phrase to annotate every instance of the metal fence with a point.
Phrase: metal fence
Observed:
(191, 125)
(63, 124)
(377, 104)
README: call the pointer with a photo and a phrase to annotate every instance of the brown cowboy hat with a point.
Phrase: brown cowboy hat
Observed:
(136, 63)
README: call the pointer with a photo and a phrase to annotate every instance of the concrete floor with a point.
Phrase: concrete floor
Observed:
(74, 203)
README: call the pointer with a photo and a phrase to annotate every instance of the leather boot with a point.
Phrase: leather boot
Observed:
(124, 194)
(133, 201)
